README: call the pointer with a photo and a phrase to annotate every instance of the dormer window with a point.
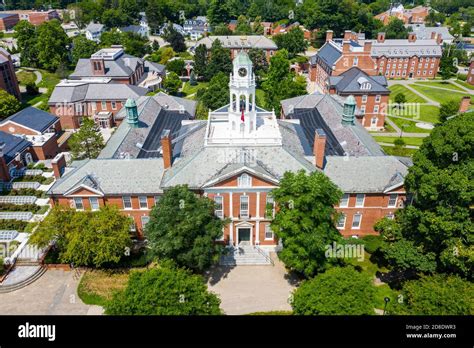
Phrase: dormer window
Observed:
(245, 180)
(366, 86)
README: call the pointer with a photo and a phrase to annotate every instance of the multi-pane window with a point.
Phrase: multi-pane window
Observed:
(103, 105)
(114, 105)
(344, 203)
(362, 109)
(360, 200)
(355, 62)
(364, 98)
(378, 97)
(94, 202)
(342, 221)
(145, 220)
(356, 220)
(244, 206)
(127, 202)
(142, 200)
(390, 216)
(244, 180)
(269, 207)
(392, 201)
(376, 109)
(268, 232)
(78, 203)
(219, 206)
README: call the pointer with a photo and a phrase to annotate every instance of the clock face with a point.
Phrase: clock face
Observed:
(242, 72)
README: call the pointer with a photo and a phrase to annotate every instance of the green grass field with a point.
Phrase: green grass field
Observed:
(427, 113)
(389, 150)
(25, 77)
(408, 126)
(440, 84)
(409, 95)
(439, 95)
(188, 89)
(465, 84)
(50, 80)
(408, 141)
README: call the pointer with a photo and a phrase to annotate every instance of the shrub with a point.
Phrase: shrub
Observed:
(32, 88)
(462, 77)
(372, 243)
(13, 225)
(26, 192)
(35, 178)
(19, 207)
(2, 266)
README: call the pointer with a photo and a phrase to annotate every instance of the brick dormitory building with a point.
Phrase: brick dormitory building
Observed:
(236, 157)
(8, 80)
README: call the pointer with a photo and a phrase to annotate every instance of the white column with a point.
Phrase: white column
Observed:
(257, 215)
(231, 225)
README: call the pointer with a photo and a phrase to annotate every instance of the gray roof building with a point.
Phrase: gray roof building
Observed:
(356, 81)
(237, 42)
(33, 118)
(423, 32)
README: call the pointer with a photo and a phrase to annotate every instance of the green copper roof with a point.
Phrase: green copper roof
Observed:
(130, 103)
(350, 100)
(242, 59)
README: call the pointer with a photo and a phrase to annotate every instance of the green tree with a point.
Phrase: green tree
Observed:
(219, 62)
(217, 12)
(439, 223)
(448, 109)
(175, 39)
(222, 30)
(164, 290)
(131, 10)
(89, 238)
(192, 78)
(259, 61)
(162, 56)
(243, 26)
(8, 104)
(176, 66)
(183, 228)
(217, 93)
(25, 34)
(172, 83)
(338, 291)
(400, 98)
(436, 295)
(51, 42)
(257, 27)
(305, 221)
(155, 14)
(293, 41)
(114, 18)
(82, 48)
(395, 29)
(200, 60)
(87, 142)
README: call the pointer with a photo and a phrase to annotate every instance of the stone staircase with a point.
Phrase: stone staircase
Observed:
(38, 271)
(245, 255)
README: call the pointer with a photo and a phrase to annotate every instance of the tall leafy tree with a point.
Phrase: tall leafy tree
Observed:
(219, 61)
(243, 26)
(218, 12)
(217, 93)
(164, 290)
(259, 61)
(183, 228)
(200, 60)
(305, 220)
(154, 15)
(172, 83)
(82, 48)
(448, 109)
(395, 29)
(87, 142)
(293, 42)
(8, 104)
(25, 34)
(257, 27)
(338, 291)
(51, 42)
(175, 39)
(439, 223)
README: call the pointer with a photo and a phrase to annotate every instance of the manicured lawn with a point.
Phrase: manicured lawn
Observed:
(29, 100)
(408, 141)
(389, 150)
(50, 80)
(446, 85)
(188, 89)
(427, 113)
(409, 95)
(465, 84)
(25, 77)
(408, 126)
(97, 286)
(439, 95)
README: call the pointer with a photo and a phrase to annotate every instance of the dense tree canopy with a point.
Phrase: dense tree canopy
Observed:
(175, 39)
(87, 238)
(164, 290)
(217, 93)
(172, 83)
(219, 60)
(293, 42)
(82, 48)
(305, 220)
(183, 228)
(338, 291)
(87, 142)
(8, 104)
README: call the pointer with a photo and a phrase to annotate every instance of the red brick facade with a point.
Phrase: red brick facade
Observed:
(470, 73)
(8, 80)
(9, 22)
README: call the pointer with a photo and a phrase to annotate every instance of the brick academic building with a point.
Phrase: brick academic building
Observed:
(237, 157)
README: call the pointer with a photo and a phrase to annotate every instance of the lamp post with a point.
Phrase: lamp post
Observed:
(386, 300)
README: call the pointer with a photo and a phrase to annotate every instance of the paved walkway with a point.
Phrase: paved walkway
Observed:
(248, 289)
(55, 293)
(393, 145)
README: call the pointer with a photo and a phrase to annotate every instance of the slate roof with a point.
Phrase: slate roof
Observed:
(95, 27)
(365, 174)
(33, 118)
(13, 145)
(236, 41)
(404, 48)
(131, 29)
(152, 66)
(113, 176)
(324, 111)
(155, 114)
(124, 66)
(423, 32)
(348, 82)
(329, 54)
(6, 15)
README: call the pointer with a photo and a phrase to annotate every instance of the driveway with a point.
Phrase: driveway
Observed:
(248, 289)
(55, 293)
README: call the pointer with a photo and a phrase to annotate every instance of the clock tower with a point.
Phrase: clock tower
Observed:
(242, 108)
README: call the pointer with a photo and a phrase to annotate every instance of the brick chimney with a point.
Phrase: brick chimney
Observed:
(4, 172)
(59, 164)
(381, 37)
(329, 35)
(367, 46)
(439, 39)
(433, 35)
(166, 148)
(347, 35)
(98, 68)
(465, 103)
(346, 47)
(411, 37)
(319, 148)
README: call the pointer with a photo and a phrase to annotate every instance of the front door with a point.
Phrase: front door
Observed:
(244, 236)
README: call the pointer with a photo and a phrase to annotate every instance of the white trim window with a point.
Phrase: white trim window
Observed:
(94, 203)
(344, 203)
(362, 109)
(78, 203)
(127, 202)
(355, 62)
(376, 109)
(390, 216)
(244, 207)
(341, 223)
(103, 105)
(364, 98)
(219, 206)
(114, 105)
(356, 220)
(378, 97)
(270, 201)
(143, 202)
(244, 180)
(268, 232)
(392, 201)
(144, 219)
(360, 198)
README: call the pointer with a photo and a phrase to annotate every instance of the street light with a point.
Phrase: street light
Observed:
(386, 300)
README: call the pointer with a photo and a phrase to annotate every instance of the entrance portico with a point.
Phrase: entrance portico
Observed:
(244, 233)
